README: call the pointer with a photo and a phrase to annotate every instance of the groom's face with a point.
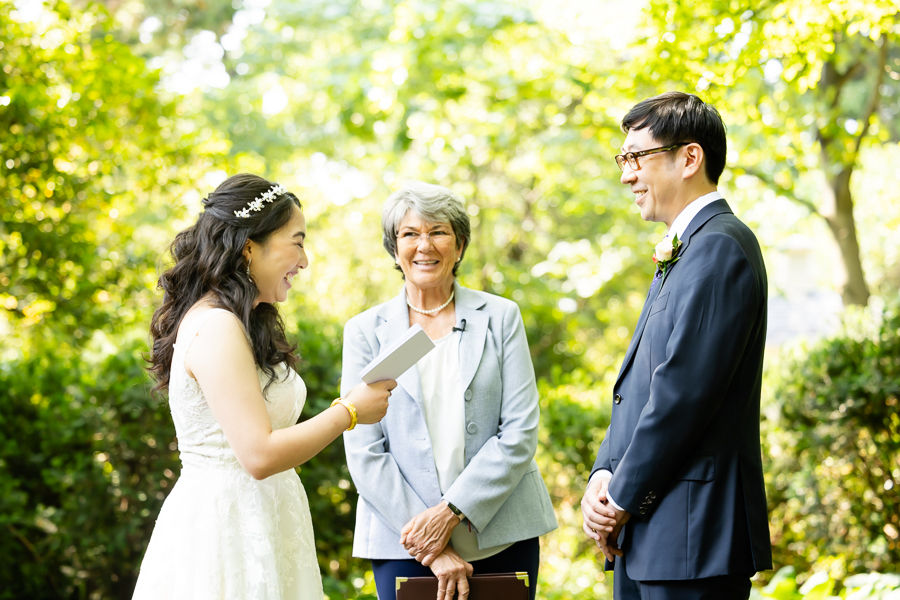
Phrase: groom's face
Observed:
(656, 182)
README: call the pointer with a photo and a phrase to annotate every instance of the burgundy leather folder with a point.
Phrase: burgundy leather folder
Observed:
(501, 586)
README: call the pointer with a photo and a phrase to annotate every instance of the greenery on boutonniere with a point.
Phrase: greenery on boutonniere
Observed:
(666, 253)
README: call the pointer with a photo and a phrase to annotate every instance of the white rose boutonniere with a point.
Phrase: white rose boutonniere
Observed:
(666, 253)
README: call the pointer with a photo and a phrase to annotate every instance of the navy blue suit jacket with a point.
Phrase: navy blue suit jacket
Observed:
(683, 443)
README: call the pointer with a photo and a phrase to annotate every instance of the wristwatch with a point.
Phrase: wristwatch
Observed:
(455, 511)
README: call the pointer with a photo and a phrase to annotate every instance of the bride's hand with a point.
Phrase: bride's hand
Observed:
(371, 400)
(451, 571)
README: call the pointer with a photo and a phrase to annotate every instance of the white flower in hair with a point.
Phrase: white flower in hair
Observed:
(257, 204)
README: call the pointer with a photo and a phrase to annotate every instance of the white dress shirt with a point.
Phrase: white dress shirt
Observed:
(684, 218)
(445, 417)
(679, 226)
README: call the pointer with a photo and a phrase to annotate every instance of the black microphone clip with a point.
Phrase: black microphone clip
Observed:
(462, 328)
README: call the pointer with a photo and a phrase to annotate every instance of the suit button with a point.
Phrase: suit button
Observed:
(471, 427)
(617, 399)
(643, 510)
(468, 395)
(652, 495)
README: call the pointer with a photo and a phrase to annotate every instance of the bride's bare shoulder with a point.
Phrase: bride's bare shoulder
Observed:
(205, 311)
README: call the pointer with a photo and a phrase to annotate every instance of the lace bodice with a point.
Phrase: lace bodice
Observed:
(201, 440)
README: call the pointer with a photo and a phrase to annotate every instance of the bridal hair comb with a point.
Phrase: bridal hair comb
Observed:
(256, 204)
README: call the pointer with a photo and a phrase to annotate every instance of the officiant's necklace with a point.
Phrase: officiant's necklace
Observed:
(433, 311)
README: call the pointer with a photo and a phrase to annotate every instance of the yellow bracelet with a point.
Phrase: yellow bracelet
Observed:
(350, 408)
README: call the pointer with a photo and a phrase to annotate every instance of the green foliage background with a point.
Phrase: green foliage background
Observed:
(101, 163)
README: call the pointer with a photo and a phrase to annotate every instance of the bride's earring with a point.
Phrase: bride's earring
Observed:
(249, 260)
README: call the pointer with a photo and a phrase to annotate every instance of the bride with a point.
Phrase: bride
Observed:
(237, 522)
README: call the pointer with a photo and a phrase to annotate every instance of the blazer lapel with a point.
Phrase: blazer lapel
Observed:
(638, 331)
(472, 340)
(395, 323)
(708, 212)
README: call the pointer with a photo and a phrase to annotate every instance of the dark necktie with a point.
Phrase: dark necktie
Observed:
(656, 277)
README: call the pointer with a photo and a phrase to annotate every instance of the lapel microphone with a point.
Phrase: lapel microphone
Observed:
(462, 326)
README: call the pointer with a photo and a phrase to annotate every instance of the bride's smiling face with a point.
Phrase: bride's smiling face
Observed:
(274, 263)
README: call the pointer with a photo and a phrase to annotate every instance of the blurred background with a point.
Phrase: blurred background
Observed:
(117, 117)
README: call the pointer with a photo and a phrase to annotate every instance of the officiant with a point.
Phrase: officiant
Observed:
(447, 481)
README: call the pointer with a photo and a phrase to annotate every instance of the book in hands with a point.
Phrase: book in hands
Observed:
(501, 586)
(395, 359)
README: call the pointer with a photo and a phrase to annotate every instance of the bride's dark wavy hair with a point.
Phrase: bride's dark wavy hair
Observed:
(208, 259)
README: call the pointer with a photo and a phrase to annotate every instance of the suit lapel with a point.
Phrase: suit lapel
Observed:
(708, 212)
(632, 346)
(472, 340)
(395, 323)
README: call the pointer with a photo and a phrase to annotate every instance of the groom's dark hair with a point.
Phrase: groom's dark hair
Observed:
(676, 117)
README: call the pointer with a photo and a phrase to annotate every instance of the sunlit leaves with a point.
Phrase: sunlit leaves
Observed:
(805, 83)
(84, 154)
(91, 167)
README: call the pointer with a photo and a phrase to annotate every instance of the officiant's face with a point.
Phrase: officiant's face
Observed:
(426, 260)
(656, 183)
(275, 262)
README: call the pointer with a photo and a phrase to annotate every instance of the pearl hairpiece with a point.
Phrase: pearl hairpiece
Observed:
(256, 204)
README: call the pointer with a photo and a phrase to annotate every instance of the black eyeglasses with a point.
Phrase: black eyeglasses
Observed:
(632, 157)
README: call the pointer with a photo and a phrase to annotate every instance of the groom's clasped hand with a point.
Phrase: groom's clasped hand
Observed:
(602, 522)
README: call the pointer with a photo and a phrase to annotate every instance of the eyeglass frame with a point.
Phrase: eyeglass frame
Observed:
(630, 157)
(402, 239)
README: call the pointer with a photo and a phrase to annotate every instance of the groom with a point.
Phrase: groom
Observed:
(676, 499)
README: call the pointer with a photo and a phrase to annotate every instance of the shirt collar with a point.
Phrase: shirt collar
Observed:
(684, 218)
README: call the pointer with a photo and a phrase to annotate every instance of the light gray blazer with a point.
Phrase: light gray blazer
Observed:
(500, 490)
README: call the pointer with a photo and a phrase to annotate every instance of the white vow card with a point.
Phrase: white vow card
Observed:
(399, 356)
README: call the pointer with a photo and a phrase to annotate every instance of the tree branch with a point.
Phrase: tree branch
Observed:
(30, 547)
(875, 98)
(25, 542)
(786, 192)
(832, 79)
(841, 80)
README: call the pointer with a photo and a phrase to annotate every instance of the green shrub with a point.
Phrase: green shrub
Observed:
(87, 459)
(821, 585)
(832, 441)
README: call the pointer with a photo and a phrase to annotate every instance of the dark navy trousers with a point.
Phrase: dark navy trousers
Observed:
(725, 587)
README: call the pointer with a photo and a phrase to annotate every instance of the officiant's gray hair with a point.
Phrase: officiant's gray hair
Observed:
(432, 203)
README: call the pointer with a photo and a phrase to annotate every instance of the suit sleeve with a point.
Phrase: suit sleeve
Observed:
(375, 474)
(602, 461)
(713, 319)
(498, 467)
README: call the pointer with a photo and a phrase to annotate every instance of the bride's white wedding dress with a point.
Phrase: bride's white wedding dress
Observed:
(222, 534)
